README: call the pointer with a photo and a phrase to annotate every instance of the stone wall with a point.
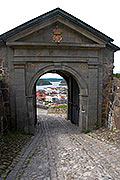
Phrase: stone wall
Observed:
(4, 99)
(107, 85)
(114, 113)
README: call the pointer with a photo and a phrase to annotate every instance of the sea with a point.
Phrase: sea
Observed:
(54, 85)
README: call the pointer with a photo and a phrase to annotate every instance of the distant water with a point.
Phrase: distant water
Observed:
(54, 85)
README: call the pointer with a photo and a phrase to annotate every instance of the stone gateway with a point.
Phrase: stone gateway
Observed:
(57, 42)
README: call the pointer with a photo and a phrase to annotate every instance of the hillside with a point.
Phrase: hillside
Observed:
(53, 79)
(42, 82)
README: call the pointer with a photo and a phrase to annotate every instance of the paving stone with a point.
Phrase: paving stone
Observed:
(60, 152)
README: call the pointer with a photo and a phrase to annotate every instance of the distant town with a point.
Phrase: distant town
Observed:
(51, 91)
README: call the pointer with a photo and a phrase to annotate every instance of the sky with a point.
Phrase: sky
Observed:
(104, 15)
(50, 75)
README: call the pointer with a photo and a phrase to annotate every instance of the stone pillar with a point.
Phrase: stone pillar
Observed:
(21, 108)
(12, 88)
(83, 116)
(93, 96)
(30, 113)
(69, 100)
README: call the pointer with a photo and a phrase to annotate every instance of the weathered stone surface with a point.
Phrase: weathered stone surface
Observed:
(10, 146)
(4, 99)
(117, 103)
(115, 109)
(84, 57)
(60, 152)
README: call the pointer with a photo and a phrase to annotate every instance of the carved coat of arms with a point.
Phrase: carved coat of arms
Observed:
(57, 35)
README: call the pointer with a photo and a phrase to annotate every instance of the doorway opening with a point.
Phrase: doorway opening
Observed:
(52, 95)
(57, 92)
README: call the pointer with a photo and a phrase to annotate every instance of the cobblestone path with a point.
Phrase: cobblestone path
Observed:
(60, 152)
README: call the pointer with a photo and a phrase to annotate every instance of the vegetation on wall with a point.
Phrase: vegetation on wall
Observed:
(4, 101)
(117, 75)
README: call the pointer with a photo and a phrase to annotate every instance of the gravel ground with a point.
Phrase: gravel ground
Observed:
(104, 134)
(11, 145)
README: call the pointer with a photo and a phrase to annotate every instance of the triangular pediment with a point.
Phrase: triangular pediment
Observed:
(41, 28)
(46, 34)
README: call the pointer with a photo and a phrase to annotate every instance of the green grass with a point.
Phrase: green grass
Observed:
(60, 106)
(117, 75)
(1, 78)
(85, 131)
(96, 126)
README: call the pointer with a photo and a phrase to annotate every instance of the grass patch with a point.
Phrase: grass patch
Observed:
(117, 75)
(85, 131)
(60, 106)
(96, 126)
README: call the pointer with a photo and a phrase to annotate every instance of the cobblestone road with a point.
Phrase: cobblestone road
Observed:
(60, 152)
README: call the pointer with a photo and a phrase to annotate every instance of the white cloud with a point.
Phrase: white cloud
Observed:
(51, 75)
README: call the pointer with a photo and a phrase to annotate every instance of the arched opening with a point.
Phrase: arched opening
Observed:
(51, 95)
(72, 96)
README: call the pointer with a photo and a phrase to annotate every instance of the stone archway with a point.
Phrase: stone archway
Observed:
(77, 95)
(73, 97)
(58, 67)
